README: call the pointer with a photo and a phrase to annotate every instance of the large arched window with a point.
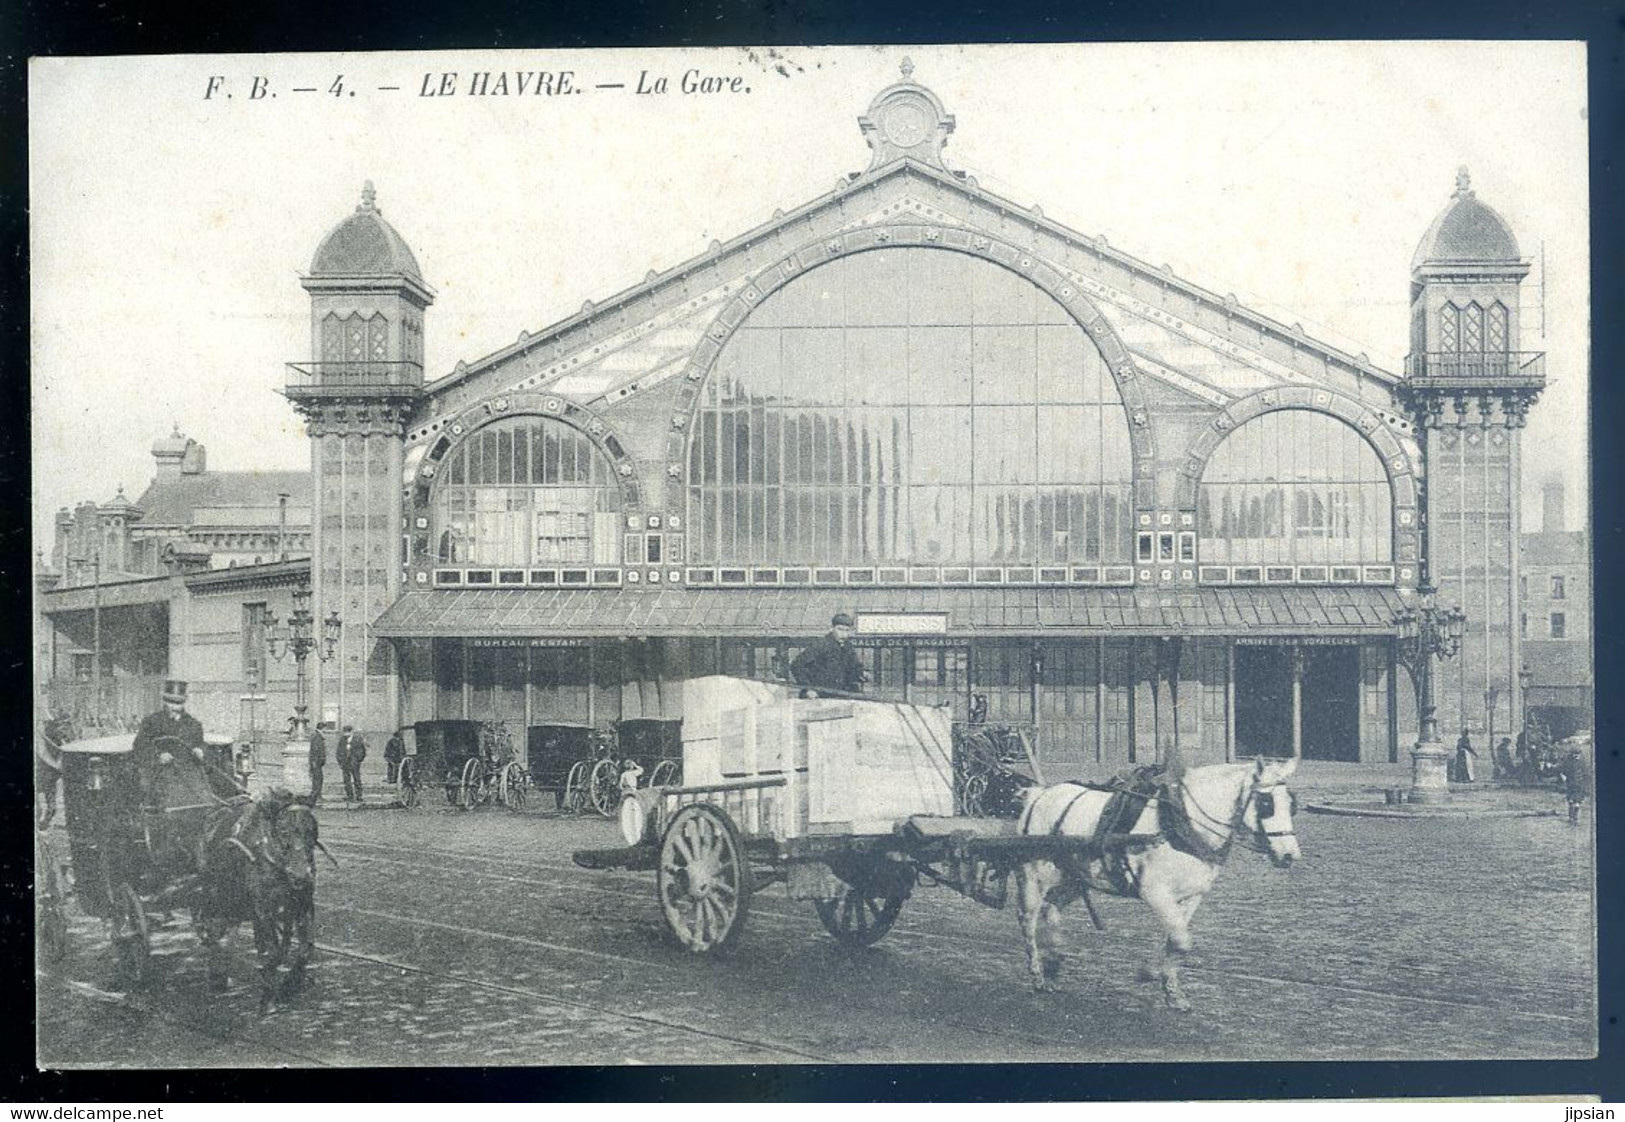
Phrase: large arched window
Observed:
(527, 491)
(913, 405)
(1295, 487)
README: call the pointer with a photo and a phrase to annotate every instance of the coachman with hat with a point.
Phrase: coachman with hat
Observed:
(164, 735)
(829, 664)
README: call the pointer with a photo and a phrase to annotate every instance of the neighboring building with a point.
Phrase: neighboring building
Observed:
(1555, 618)
(120, 577)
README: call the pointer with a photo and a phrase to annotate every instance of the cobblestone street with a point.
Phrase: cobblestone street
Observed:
(470, 938)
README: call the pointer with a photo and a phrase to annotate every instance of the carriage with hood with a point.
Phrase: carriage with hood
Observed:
(850, 804)
(188, 836)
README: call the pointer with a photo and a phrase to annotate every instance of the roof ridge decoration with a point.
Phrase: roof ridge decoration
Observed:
(906, 120)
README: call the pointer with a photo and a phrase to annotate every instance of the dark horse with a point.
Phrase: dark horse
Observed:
(257, 863)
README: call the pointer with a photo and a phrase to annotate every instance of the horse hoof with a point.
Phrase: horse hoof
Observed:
(1177, 1002)
(1145, 974)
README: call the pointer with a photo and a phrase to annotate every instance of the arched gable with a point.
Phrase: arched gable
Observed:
(1022, 262)
(1402, 471)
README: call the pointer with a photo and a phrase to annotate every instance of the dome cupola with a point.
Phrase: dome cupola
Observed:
(1466, 232)
(364, 245)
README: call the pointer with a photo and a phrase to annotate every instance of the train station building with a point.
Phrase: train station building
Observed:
(1129, 512)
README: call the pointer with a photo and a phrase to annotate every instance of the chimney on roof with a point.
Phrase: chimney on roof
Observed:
(170, 453)
(193, 463)
(1551, 504)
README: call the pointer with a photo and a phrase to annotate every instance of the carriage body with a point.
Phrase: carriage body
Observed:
(131, 849)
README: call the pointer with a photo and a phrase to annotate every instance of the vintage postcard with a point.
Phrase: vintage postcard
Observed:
(1056, 553)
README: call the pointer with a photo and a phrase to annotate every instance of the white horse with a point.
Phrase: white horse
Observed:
(1167, 855)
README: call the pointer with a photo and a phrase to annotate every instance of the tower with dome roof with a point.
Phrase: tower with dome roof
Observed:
(1469, 388)
(367, 305)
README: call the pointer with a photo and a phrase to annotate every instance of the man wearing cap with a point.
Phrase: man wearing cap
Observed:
(164, 735)
(352, 750)
(829, 663)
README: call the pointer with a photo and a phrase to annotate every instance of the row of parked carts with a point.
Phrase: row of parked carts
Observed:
(588, 770)
(585, 769)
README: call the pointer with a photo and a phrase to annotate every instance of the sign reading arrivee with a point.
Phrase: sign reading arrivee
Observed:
(910, 623)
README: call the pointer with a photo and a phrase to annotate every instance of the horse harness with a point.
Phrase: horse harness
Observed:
(1113, 842)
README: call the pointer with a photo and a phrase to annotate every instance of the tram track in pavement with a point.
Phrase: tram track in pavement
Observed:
(630, 885)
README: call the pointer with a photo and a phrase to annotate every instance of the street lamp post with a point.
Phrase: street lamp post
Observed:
(1428, 632)
(298, 636)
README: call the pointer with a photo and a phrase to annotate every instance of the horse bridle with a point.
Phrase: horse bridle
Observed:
(1256, 839)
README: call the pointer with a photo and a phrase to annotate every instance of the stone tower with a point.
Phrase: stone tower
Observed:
(1469, 388)
(367, 304)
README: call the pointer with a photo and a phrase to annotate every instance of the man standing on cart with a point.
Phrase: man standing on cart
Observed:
(829, 664)
(164, 735)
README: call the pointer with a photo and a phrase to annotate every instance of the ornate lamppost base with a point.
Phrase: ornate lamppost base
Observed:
(1430, 773)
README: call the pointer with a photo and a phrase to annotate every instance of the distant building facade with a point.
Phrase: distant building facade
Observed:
(144, 583)
(1555, 619)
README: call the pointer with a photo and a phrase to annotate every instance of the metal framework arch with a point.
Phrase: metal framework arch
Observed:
(1024, 263)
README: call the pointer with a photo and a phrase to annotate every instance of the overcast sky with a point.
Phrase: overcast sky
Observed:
(169, 229)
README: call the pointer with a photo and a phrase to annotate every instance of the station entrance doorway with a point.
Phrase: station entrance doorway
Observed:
(1327, 713)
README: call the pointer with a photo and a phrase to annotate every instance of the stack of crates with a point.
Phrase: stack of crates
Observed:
(843, 767)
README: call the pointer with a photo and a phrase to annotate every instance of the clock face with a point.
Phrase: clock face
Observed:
(906, 126)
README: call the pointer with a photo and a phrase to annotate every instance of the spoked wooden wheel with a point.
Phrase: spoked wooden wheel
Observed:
(604, 787)
(514, 792)
(409, 783)
(573, 800)
(860, 917)
(664, 774)
(703, 880)
(132, 942)
(470, 793)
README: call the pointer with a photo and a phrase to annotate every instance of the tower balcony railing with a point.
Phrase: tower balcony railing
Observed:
(351, 377)
(1476, 366)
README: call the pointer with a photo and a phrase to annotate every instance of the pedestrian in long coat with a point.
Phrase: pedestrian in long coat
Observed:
(352, 750)
(318, 761)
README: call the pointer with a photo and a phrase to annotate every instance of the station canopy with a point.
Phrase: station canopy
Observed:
(970, 612)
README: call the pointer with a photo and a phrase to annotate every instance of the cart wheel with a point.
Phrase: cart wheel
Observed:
(573, 799)
(604, 787)
(409, 783)
(470, 791)
(515, 792)
(665, 774)
(973, 795)
(703, 880)
(132, 942)
(860, 917)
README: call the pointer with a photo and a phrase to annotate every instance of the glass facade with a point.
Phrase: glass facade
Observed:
(527, 491)
(910, 405)
(1295, 487)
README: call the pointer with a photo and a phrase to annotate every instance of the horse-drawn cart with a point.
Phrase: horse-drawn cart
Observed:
(850, 803)
(186, 836)
(847, 802)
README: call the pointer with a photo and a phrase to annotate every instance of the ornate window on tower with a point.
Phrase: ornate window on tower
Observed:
(351, 344)
(526, 491)
(1472, 329)
(1450, 329)
(1497, 328)
(914, 405)
(1295, 487)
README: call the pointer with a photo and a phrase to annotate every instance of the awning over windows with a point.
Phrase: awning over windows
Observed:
(990, 612)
